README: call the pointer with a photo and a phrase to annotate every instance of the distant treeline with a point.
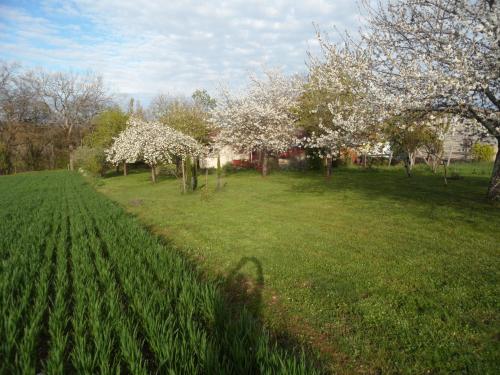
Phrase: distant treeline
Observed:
(44, 116)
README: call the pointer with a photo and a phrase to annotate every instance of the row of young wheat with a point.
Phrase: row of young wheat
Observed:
(84, 288)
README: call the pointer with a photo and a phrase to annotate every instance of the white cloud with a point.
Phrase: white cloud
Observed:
(143, 47)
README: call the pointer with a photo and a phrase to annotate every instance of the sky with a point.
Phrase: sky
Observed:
(146, 47)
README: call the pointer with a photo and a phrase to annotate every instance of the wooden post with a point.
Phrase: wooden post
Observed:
(183, 176)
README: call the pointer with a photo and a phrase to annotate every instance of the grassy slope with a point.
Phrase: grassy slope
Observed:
(378, 270)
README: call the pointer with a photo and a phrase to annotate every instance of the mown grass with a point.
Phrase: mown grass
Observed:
(380, 272)
(86, 289)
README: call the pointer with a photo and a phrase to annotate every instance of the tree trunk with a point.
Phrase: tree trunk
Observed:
(435, 163)
(445, 166)
(265, 160)
(390, 159)
(412, 159)
(124, 168)
(328, 167)
(52, 157)
(71, 161)
(178, 166)
(194, 178)
(153, 174)
(219, 172)
(408, 165)
(494, 187)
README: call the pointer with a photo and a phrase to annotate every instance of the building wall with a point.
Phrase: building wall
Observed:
(458, 146)
(227, 155)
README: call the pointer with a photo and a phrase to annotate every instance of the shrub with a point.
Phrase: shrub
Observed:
(169, 170)
(93, 160)
(296, 165)
(482, 152)
(378, 161)
(228, 168)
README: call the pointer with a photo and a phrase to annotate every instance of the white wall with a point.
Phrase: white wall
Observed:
(227, 155)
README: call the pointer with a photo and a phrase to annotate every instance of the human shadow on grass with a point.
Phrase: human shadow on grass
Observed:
(245, 293)
(242, 343)
(243, 290)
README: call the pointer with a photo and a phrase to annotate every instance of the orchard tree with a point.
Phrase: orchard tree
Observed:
(190, 117)
(262, 119)
(312, 113)
(153, 143)
(343, 76)
(440, 56)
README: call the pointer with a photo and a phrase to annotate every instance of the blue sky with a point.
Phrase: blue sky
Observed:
(146, 47)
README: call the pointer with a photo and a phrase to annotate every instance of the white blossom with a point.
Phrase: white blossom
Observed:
(151, 142)
(261, 118)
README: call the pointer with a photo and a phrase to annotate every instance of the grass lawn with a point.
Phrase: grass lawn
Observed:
(379, 272)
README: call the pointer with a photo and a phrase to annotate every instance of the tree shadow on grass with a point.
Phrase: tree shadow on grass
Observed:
(468, 192)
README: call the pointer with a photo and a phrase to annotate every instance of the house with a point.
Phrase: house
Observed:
(458, 145)
(227, 155)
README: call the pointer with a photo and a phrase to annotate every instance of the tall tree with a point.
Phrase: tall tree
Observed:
(262, 119)
(202, 99)
(188, 117)
(23, 118)
(73, 100)
(440, 56)
(346, 113)
(105, 126)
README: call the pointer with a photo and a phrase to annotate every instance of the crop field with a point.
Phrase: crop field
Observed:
(84, 288)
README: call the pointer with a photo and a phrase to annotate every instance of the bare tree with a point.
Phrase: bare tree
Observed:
(35, 106)
(73, 101)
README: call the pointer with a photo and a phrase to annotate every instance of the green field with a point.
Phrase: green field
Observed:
(85, 289)
(378, 272)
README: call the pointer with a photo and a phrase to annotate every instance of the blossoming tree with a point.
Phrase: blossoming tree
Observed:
(261, 119)
(344, 75)
(440, 56)
(151, 142)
